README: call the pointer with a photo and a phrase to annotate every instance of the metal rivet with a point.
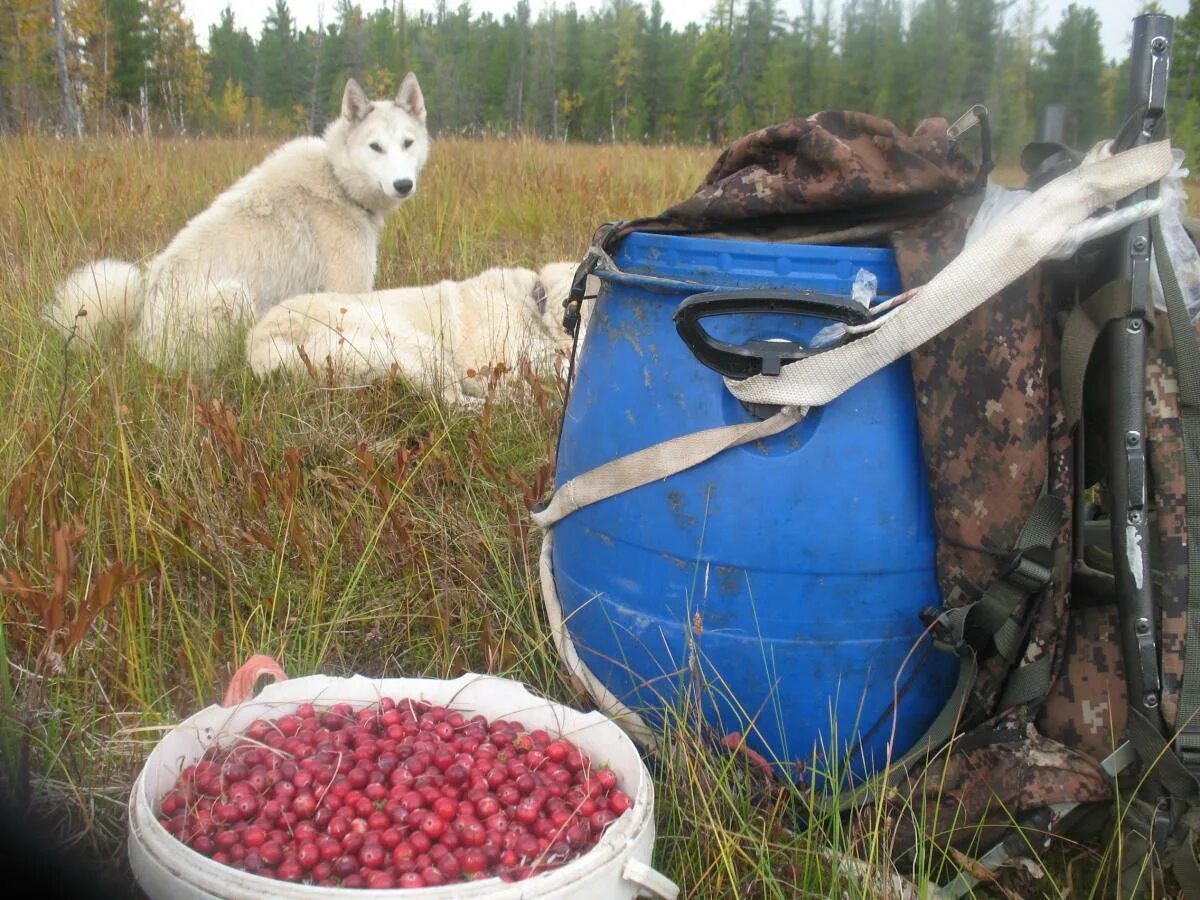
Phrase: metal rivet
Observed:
(1150, 701)
(1142, 627)
(1159, 44)
(1135, 325)
(1139, 245)
(1132, 438)
(1135, 518)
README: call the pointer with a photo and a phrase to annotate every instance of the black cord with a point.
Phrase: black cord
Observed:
(566, 396)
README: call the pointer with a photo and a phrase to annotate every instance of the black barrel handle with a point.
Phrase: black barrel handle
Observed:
(758, 357)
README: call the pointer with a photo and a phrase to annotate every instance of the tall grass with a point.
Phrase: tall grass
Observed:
(156, 530)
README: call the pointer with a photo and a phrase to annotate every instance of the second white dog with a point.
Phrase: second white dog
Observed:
(441, 337)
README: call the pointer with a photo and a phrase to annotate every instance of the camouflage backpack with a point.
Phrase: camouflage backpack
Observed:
(1030, 734)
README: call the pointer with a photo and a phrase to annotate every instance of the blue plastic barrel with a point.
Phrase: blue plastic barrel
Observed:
(779, 583)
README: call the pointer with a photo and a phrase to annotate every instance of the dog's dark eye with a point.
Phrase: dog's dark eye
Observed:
(374, 145)
(408, 143)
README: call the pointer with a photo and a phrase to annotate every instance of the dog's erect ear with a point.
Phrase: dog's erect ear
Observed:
(354, 102)
(410, 98)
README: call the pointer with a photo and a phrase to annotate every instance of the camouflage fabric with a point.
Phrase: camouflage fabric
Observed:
(833, 171)
(1003, 771)
(1086, 706)
(987, 394)
(989, 406)
(1168, 500)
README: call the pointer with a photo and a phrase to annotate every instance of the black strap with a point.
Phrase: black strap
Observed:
(1084, 325)
(988, 623)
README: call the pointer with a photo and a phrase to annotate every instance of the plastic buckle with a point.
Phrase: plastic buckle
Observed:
(1187, 747)
(1162, 825)
(943, 635)
(1029, 570)
(596, 254)
(574, 300)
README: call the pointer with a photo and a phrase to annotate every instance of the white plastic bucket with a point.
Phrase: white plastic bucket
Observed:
(617, 867)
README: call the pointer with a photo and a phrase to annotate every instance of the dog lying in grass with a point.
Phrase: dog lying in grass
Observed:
(443, 338)
(307, 218)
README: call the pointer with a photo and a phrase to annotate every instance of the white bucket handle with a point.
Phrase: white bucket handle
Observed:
(651, 879)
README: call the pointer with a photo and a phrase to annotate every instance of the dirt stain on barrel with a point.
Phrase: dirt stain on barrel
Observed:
(603, 538)
(681, 564)
(675, 503)
(729, 580)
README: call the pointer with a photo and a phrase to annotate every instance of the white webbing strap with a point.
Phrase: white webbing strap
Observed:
(657, 462)
(1012, 246)
(605, 699)
(1006, 251)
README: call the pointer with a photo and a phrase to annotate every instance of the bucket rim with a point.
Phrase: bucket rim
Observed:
(146, 835)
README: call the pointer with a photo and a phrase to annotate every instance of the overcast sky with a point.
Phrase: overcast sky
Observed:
(1115, 15)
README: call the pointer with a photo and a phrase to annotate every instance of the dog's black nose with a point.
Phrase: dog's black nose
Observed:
(403, 186)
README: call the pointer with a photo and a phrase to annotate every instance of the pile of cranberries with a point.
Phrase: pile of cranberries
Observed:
(400, 794)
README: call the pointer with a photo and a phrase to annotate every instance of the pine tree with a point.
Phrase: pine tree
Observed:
(627, 28)
(517, 78)
(937, 66)
(231, 54)
(1013, 116)
(1071, 73)
(655, 91)
(278, 75)
(813, 61)
(978, 32)
(130, 49)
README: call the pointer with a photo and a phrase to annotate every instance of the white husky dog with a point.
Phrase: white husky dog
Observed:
(443, 337)
(308, 218)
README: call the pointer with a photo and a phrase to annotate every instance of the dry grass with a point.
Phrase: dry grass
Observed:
(157, 530)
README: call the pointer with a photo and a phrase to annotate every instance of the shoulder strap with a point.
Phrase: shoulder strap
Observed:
(1084, 325)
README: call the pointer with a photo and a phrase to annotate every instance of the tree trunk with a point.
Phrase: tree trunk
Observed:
(144, 109)
(71, 123)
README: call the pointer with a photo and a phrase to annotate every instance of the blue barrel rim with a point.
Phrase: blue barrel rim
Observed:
(651, 239)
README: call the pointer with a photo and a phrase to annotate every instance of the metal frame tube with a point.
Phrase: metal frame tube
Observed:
(1126, 342)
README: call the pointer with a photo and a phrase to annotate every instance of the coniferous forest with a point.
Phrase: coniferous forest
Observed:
(620, 73)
